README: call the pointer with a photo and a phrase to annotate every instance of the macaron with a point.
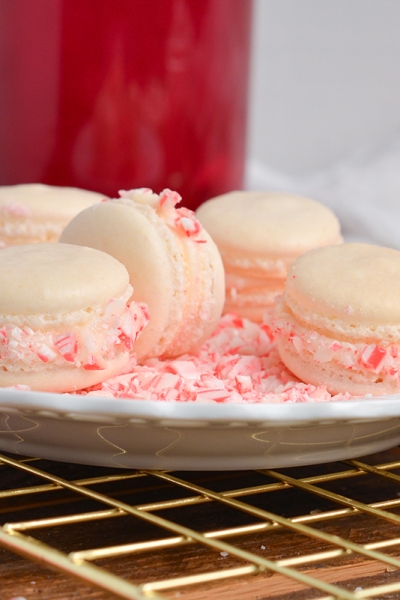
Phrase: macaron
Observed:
(338, 321)
(65, 318)
(258, 235)
(34, 212)
(174, 266)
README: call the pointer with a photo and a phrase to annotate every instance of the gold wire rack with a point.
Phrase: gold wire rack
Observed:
(327, 531)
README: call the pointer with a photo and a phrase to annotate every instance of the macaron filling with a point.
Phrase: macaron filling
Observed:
(252, 290)
(16, 220)
(86, 344)
(379, 356)
(27, 232)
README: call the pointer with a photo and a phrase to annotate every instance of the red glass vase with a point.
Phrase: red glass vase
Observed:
(118, 94)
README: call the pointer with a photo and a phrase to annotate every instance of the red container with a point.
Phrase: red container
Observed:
(118, 94)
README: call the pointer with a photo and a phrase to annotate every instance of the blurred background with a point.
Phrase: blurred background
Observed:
(324, 115)
(325, 80)
(106, 95)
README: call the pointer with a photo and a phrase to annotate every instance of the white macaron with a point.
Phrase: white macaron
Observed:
(174, 266)
(66, 320)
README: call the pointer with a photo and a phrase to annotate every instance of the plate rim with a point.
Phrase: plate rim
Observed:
(375, 408)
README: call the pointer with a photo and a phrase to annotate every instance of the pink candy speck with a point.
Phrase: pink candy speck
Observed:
(45, 353)
(335, 346)
(95, 363)
(67, 346)
(372, 357)
(16, 210)
(168, 198)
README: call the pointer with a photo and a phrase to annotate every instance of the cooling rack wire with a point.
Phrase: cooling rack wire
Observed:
(328, 531)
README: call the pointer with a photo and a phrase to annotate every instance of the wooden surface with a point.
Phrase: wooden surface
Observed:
(23, 578)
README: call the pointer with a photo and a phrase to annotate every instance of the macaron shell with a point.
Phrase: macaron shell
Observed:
(61, 278)
(129, 236)
(250, 297)
(356, 285)
(49, 201)
(68, 379)
(271, 224)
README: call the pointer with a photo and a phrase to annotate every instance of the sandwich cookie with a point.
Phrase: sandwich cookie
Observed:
(258, 235)
(65, 318)
(338, 321)
(174, 266)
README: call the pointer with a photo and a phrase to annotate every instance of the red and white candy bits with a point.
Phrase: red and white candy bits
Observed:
(239, 363)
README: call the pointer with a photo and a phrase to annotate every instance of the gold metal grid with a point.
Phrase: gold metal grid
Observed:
(228, 533)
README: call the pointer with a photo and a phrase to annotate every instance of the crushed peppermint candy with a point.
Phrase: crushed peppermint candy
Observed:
(15, 209)
(87, 345)
(182, 219)
(238, 363)
(382, 357)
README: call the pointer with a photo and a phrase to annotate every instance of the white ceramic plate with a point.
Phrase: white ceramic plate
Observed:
(191, 436)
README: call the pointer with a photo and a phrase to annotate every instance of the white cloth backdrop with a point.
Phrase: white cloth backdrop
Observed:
(363, 190)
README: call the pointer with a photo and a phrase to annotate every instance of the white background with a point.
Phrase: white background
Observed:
(325, 80)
